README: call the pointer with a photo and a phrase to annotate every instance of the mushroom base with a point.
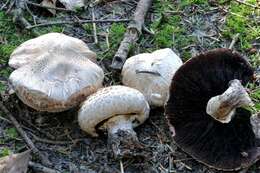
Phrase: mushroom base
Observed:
(125, 144)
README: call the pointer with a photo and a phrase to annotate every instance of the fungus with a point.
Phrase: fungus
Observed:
(151, 73)
(204, 109)
(58, 81)
(117, 109)
(32, 50)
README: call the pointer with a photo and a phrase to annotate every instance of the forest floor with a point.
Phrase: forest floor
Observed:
(188, 27)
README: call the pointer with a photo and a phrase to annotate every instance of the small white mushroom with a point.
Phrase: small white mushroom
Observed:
(72, 4)
(222, 107)
(32, 50)
(117, 109)
(151, 73)
(58, 81)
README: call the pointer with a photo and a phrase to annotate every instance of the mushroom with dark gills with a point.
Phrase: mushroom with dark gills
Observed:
(205, 110)
(57, 82)
(116, 109)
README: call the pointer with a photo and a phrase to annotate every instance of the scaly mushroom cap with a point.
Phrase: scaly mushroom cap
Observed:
(225, 146)
(110, 102)
(151, 73)
(58, 81)
(32, 50)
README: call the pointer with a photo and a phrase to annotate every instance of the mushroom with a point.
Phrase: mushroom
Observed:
(205, 110)
(151, 73)
(117, 109)
(32, 50)
(57, 82)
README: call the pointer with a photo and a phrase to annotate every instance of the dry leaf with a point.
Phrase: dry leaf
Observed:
(15, 163)
(50, 3)
(72, 4)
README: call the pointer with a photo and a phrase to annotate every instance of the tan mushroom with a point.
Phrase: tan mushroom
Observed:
(58, 81)
(151, 73)
(32, 50)
(117, 109)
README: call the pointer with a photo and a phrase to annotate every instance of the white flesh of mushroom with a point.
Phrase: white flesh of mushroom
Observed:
(115, 109)
(33, 50)
(72, 4)
(222, 107)
(151, 73)
(57, 82)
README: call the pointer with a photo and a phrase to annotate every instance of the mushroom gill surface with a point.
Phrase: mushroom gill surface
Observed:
(224, 146)
(58, 81)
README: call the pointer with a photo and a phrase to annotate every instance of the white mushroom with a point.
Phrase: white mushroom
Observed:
(72, 4)
(223, 107)
(58, 81)
(117, 109)
(151, 73)
(32, 50)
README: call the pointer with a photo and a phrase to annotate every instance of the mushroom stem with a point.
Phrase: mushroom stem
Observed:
(122, 138)
(222, 107)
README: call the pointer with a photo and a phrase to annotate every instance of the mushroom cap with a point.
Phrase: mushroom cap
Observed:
(33, 49)
(58, 81)
(151, 73)
(228, 146)
(111, 102)
(72, 4)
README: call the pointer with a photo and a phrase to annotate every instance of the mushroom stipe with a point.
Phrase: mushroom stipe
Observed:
(224, 146)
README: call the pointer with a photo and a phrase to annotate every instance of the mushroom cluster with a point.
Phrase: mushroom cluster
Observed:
(205, 110)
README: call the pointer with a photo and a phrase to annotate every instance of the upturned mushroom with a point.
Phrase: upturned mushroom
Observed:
(205, 110)
(116, 109)
(151, 73)
(32, 50)
(57, 82)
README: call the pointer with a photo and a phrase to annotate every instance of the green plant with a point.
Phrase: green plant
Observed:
(11, 133)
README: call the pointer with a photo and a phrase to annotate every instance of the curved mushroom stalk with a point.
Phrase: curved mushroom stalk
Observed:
(122, 138)
(223, 107)
(117, 110)
(255, 122)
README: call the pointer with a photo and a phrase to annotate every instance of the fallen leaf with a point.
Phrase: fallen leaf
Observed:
(72, 4)
(50, 3)
(15, 163)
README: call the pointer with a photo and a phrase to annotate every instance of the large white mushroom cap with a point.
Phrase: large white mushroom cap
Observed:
(32, 50)
(58, 81)
(151, 73)
(111, 106)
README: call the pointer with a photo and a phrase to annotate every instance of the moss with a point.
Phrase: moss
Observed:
(116, 34)
(5, 152)
(239, 20)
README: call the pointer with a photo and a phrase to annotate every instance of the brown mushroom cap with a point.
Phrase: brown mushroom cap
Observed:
(58, 81)
(33, 49)
(225, 146)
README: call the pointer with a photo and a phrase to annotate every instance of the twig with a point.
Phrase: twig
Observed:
(94, 26)
(48, 7)
(7, 2)
(247, 4)
(24, 135)
(132, 34)
(121, 167)
(234, 40)
(40, 168)
(50, 141)
(78, 22)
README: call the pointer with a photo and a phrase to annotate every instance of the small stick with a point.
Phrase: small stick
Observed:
(40, 168)
(247, 4)
(121, 167)
(94, 26)
(44, 6)
(132, 34)
(24, 135)
(234, 40)
(78, 22)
